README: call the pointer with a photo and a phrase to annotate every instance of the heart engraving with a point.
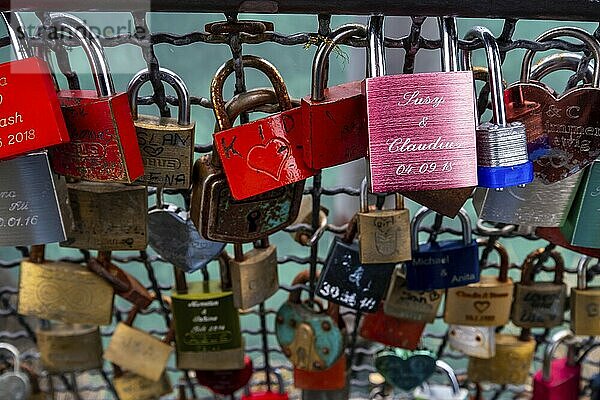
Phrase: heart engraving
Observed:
(563, 134)
(405, 369)
(269, 158)
(153, 150)
(481, 306)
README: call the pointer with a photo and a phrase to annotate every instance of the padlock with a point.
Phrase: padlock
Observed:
(473, 341)
(15, 384)
(443, 264)
(131, 349)
(558, 379)
(281, 394)
(265, 154)
(226, 382)
(207, 326)
(312, 340)
(585, 303)
(430, 391)
(103, 144)
(539, 304)
(63, 291)
(383, 235)
(346, 281)
(166, 144)
(254, 275)
(130, 386)
(562, 132)
(581, 226)
(69, 347)
(595, 386)
(392, 331)
(108, 216)
(213, 210)
(502, 157)
(29, 122)
(420, 126)
(323, 383)
(305, 215)
(400, 302)
(405, 369)
(555, 236)
(447, 202)
(485, 303)
(172, 234)
(510, 365)
(334, 117)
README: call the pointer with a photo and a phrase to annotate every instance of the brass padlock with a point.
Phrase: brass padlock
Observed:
(410, 304)
(383, 235)
(132, 349)
(63, 291)
(69, 348)
(254, 276)
(166, 144)
(510, 365)
(108, 216)
(539, 304)
(485, 303)
(130, 386)
(305, 216)
(585, 303)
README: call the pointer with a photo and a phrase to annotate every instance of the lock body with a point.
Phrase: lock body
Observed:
(331, 379)
(134, 387)
(384, 236)
(585, 311)
(411, 304)
(474, 341)
(256, 278)
(108, 216)
(563, 384)
(70, 348)
(167, 150)
(539, 305)
(392, 331)
(226, 382)
(405, 369)
(65, 292)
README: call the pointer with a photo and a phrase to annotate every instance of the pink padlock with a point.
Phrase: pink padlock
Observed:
(559, 379)
(421, 126)
(268, 394)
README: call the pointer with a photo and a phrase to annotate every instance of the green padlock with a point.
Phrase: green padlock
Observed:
(581, 227)
(207, 326)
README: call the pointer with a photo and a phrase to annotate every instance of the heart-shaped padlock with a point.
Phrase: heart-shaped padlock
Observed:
(226, 382)
(15, 384)
(405, 369)
(175, 238)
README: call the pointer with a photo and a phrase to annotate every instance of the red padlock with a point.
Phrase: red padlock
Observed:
(265, 154)
(31, 118)
(268, 394)
(392, 331)
(335, 117)
(104, 144)
(226, 382)
(333, 378)
(559, 379)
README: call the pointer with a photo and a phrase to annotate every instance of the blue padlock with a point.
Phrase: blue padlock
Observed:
(444, 264)
(502, 156)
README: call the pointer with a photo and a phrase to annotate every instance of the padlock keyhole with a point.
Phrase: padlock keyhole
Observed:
(253, 219)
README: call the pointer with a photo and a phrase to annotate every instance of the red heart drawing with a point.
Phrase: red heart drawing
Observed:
(226, 382)
(269, 158)
(564, 133)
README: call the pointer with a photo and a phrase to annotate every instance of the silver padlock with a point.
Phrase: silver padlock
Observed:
(14, 385)
(175, 238)
(474, 341)
(442, 392)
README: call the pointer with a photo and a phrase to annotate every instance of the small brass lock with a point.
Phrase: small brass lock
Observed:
(585, 303)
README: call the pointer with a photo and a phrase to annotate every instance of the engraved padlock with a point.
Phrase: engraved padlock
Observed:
(559, 379)
(103, 144)
(214, 211)
(383, 235)
(585, 303)
(443, 264)
(166, 144)
(63, 291)
(130, 386)
(502, 157)
(485, 303)
(69, 347)
(15, 384)
(473, 341)
(334, 117)
(421, 126)
(539, 304)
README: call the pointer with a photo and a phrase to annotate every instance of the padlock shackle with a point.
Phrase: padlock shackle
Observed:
(280, 381)
(528, 271)
(504, 258)
(174, 80)
(582, 268)
(364, 201)
(17, 33)
(15, 354)
(320, 66)
(91, 46)
(415, 224)
(591, 43)
(558, 338)
(36, 253)
(450, 373)
(560, 61)
(375, 46)
(218, 82)
(449, 39)
(494, 64)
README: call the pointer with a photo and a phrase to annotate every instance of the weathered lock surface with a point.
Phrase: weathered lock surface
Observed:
(130, 386)
(70, 348)
(329, 381)
(410, 304)
(108, 216)
(392, 331)
(585, 303)
(539, 304)
(405, 369)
